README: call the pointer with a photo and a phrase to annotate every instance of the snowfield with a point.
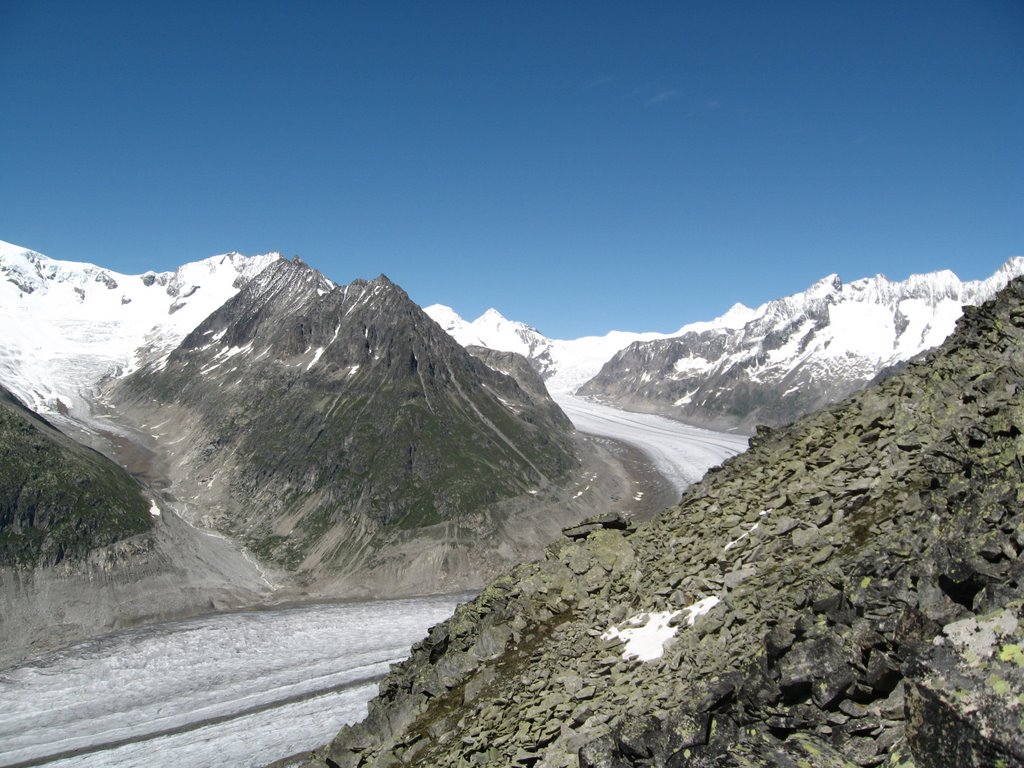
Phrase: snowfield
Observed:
(69, 324)
(239, 689)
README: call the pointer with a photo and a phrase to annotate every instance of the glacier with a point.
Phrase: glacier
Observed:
(241, 688)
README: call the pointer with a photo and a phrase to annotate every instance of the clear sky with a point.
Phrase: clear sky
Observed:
(580, 166)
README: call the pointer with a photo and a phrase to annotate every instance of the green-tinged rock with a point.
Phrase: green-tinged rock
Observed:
(877, 622)
(58, 499)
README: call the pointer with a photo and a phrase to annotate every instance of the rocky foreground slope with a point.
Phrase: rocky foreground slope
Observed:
(847, 592)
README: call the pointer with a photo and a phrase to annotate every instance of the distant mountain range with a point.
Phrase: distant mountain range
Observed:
(564, 364)
(750, 366)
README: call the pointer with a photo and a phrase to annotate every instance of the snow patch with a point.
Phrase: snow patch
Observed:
(691, 364)
(685, 399)
(316, 357)
(645, 634)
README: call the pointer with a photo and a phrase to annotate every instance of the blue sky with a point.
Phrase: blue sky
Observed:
(581, 166)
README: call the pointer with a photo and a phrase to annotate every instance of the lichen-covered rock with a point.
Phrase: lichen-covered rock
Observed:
(964, 705)
(846, 593)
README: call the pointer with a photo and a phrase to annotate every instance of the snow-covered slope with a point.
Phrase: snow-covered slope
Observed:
(66, 325)
(565, 364)
(795, 354)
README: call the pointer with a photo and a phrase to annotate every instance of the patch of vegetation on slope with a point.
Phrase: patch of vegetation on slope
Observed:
(58, 499)
(849, 592)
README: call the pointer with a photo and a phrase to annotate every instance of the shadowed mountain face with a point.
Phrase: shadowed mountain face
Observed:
(58, 499)
(849, 591)
(307, 416)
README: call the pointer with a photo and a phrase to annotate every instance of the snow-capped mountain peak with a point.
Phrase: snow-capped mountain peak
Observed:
(737, 316)
(491, 329)
(796, 353)
(69, 324)
(827, 286)
(446, 317)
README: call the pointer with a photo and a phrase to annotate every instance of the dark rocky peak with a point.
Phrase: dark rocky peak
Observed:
(339, 404)
(291, 310)
(283, 288)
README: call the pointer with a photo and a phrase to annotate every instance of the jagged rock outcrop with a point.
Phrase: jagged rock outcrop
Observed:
(58, 499)
(793, 355)
(317, 423)
(850, 591)
(519, 368)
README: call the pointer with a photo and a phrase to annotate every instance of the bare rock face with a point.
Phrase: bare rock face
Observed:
(850, 591)
(519, 368)
(963, 707)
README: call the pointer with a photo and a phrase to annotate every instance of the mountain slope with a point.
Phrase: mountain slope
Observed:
(314, 421)
(796, 354)
(59, 500)
(90, 322)
(850, 591)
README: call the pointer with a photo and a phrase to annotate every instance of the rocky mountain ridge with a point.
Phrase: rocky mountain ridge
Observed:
(849, 592)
